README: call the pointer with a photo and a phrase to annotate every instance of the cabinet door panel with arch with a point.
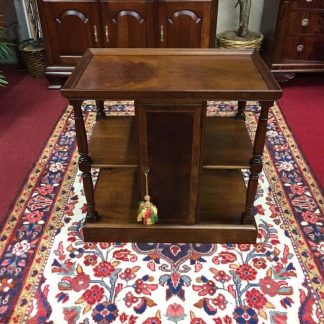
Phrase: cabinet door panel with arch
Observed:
(186, 24)
(73, 27)
(127, 23)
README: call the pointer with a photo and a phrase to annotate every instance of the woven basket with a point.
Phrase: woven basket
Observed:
(229, 39)
(34, 57)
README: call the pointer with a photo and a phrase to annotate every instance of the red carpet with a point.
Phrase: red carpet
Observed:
(303, 107)
(29, 113)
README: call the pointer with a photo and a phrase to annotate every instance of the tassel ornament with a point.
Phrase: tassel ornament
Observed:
(147, 212)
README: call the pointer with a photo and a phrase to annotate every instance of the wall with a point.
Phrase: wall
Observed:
(228, 15)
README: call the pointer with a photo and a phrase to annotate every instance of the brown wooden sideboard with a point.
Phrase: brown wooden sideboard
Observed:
(293, 36)
(195, 161)
(70, 27)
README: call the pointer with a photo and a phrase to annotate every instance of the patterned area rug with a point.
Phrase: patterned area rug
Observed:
(49, 275)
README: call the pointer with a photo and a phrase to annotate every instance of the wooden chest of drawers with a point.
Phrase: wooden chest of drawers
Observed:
(294, 35)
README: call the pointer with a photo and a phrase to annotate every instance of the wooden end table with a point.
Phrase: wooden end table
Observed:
(195, 161)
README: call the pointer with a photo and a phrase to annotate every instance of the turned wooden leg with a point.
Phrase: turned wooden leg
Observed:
(241, 110)
(84, 160)
(100, 110)
(256, 162)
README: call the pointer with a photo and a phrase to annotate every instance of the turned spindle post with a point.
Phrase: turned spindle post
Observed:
(256, 162)
(84, 161)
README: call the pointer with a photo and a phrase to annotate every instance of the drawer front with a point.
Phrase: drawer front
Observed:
(305, 22)
(307, 4)
(304, 48)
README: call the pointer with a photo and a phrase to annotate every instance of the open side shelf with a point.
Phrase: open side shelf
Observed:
(227, 144)
(117, 196)
(113, 143)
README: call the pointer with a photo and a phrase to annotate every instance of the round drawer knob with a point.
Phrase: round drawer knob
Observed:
(305, 22)
(300, 48)
(309, 0)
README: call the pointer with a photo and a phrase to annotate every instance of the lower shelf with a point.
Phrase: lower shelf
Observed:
(220, 208)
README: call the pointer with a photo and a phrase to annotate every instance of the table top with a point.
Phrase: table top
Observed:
(202, 74)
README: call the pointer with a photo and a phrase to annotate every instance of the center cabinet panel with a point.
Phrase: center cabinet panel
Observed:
(169, 145)
(127, 23)
(184, 24)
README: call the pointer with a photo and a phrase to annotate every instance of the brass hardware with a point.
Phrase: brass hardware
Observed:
(107, 33)
(300, 48)
(305, 22)
(161, 34)
(95, 33)
(309, 0)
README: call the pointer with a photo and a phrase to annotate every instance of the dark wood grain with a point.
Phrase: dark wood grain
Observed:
(227, 144)
(117, 196)
(195, 178)
(222, 197)
(127, 23)
(293, 33)
(113, 143)
(68, 27)
(155, 73)
(169, 145)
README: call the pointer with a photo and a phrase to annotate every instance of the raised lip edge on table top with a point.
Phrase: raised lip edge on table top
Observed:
(71, 92)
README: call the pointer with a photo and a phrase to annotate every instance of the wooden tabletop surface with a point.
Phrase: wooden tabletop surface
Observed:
(204, 74)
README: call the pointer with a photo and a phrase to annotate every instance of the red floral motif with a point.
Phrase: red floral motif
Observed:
(255, 299)
(297, 189)
(93, 295)
(259, 248)
(80, 282)
(259, 263)
(227, 257)
(309, 217)
(246, 272)
(220, 302)
(142, 288)
(70, 314)
(124, 255)
(130, 299)
(221, 276)
(104, 245)
(207, 289)
(90, 260)
(270, 287)
(175, 312)
(127, 274)
(279, 318)
(35, 216)
(90, 246)
(103, 269)
(244, 247)
(45, 189)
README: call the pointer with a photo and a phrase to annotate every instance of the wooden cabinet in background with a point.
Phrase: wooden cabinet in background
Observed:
(70, 27)
(294, 36)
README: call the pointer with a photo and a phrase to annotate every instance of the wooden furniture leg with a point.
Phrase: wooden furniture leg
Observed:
(84, 161)
(241, 110)
(100, 109)
(256, 162)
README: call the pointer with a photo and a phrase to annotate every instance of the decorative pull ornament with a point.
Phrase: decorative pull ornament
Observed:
(147, 212)
(95, 33)
(305, 22)
(107, 33)
(300, 48)
(161, 34)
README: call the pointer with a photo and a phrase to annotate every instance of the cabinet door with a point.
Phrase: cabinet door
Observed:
(184, 24)
(127, 23)
(69, 29)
